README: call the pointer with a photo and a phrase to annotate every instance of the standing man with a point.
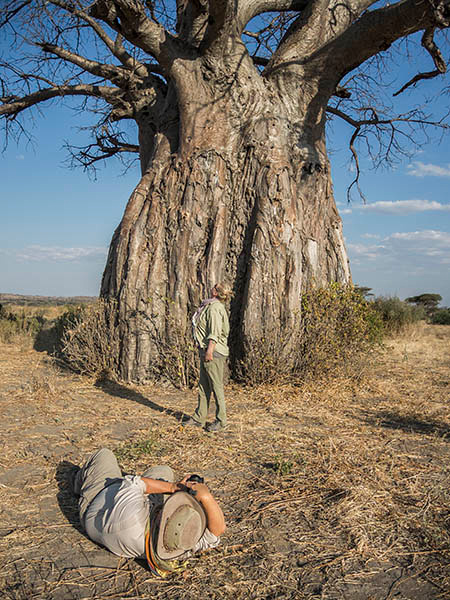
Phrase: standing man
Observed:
(210, 328)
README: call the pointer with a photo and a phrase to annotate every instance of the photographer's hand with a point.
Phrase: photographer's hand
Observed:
(214, 516)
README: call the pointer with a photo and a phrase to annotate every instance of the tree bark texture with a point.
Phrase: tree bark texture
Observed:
(236, 187)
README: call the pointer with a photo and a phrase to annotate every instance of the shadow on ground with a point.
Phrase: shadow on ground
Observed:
(391, 420)
(120, 391)
(48, 340)
(68, 503)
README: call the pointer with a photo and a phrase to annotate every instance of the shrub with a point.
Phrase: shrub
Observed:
(428, 302)
(441, 316)
(176, 357)
(91, 343)
(336, 329)
(339, 327)
(396, 314)
(8, 331)
(176, 362)
(264, 361)
(19, 325)
(90, 340)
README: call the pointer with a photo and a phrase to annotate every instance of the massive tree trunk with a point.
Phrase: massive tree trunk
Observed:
(236, 187)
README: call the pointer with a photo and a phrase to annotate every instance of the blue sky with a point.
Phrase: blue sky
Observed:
(56, 223)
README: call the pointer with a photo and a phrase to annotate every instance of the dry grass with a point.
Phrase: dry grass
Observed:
(49, 312)
(333, 491)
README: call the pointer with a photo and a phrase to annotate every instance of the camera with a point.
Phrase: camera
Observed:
(195, 479)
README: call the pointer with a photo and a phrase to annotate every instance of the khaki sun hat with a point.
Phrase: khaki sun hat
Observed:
(182, 524)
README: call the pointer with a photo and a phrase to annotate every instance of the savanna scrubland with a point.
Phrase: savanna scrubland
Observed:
(334, 488)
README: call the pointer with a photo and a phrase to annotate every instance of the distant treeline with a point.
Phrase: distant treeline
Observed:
(23, 300)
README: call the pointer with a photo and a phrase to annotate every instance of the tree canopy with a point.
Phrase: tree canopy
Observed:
(119, 57)
(428, 301)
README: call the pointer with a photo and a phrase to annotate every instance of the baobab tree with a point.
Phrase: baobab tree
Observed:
(231, 100)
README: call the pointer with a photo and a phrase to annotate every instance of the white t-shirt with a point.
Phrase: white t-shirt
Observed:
(117, 518)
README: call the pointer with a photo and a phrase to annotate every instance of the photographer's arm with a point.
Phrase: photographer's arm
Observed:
(157, 486)
(215, 520)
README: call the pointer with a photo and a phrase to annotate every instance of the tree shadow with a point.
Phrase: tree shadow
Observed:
(391, 420)
(67, 501)
(121, 391)
(47, 340)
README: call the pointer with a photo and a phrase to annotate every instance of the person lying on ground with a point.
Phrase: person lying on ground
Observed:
(148, 516)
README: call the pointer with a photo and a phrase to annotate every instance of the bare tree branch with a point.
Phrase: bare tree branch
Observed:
(358, 172)
(268, 36)
(249, 10)
(11, 13)
(429, 44)
(114, 46)
(351, 35)
(13, 106)
(377, 30)
(328, 20)
(117, 75)
(376, 121)
(129, 19)
(381, 127)
(107, 145)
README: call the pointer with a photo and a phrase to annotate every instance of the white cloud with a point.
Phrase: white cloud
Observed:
(361, 252)
(420, 169)
(404, 207)
(404, 264)
(401, 252)
(58, 253)
(346, 211)
(423, 244)
(371, 236)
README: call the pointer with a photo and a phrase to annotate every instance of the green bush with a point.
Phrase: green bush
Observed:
(336, 329)
(339, 327)
(441, 316)
(397, 315)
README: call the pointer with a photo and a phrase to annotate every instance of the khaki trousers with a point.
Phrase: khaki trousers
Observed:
(101, 470)
(211, 383)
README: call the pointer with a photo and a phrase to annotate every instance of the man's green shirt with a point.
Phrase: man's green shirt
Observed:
(213, 325)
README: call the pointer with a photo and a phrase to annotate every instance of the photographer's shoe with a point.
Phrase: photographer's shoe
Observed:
(192, 423)
(216, 426)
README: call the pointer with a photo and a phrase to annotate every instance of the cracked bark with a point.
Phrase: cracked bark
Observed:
(240, 192)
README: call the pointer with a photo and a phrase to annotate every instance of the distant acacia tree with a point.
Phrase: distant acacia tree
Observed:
(231, 100)
(429, 302)
(363, 291)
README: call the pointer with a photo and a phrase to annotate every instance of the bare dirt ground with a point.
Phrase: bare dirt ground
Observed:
(337, 490)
